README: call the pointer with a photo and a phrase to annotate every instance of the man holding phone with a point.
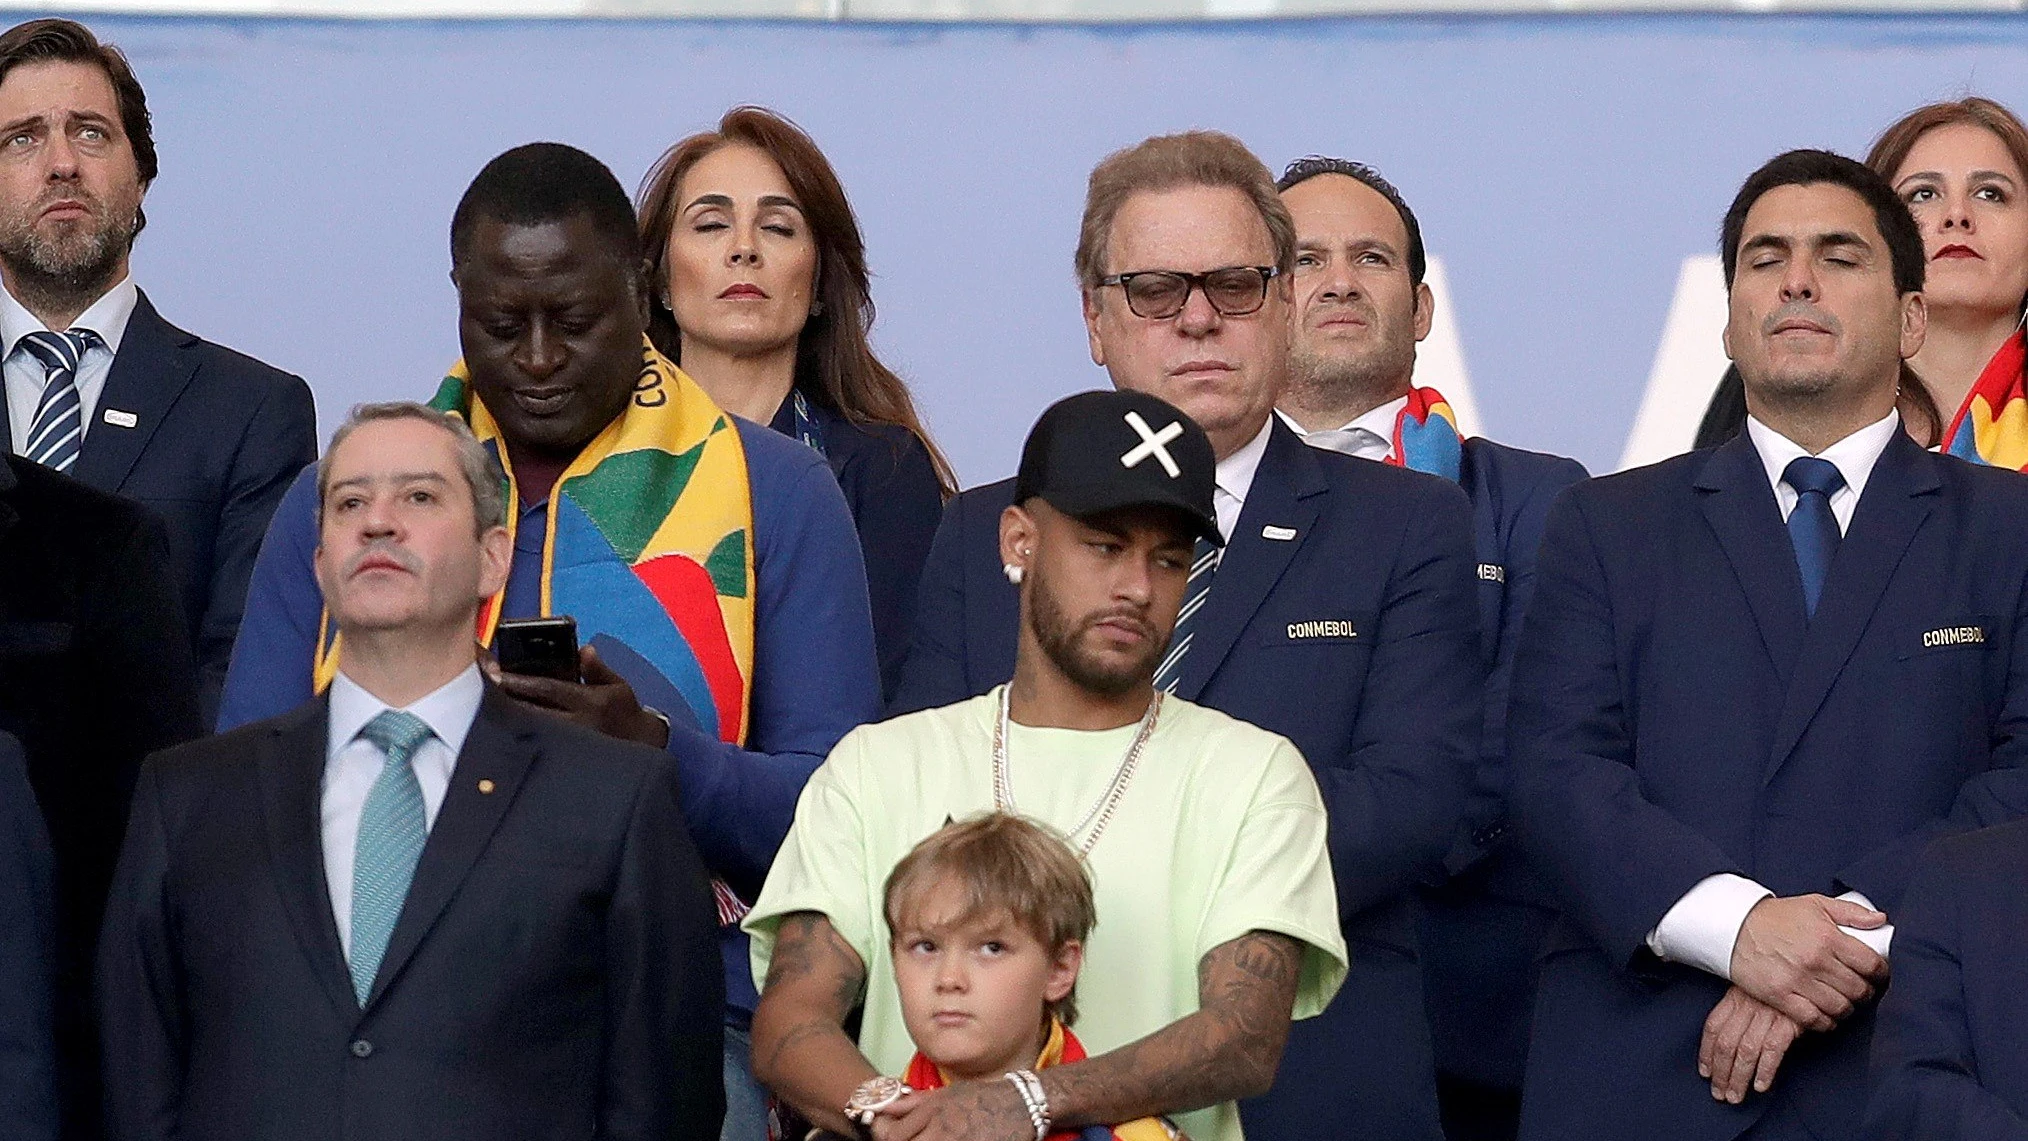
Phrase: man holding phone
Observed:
(710, 564)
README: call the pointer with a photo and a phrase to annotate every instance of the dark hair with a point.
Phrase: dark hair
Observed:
(1810, 168)
(548, 182)
(1897, 228)
(1310, 166)
(67, 41)
(835, 364)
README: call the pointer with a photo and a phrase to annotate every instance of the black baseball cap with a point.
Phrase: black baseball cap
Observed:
(1100, 451)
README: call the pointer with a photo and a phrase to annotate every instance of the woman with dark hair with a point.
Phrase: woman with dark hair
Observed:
(760, 292)
(1962, 168)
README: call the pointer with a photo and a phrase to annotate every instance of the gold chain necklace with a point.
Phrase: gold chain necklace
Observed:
(1101, 812)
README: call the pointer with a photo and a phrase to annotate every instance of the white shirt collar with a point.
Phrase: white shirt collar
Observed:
(107, 317)
(1374, 424)
(1853, 456)
(448, 710)
(1233, 477)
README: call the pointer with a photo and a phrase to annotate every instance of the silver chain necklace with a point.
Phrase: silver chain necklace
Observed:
(1101, 813)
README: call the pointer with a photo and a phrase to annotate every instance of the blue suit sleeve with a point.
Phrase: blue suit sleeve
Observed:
(1617, 861)
(933, 674)
(27, 938)
(1925, 1075)
(896, 502)
(276, 649)
(280, 438)
(815, 674)
(141, 1022)
(1396, 798)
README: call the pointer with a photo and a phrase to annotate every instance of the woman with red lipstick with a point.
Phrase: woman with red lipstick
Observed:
(1962, 167)
(761, 295)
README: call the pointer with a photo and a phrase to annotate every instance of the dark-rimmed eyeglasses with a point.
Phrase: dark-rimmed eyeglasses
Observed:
(1156, 294)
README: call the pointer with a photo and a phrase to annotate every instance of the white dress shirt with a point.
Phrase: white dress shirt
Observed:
(1368, 437)
(1701, 928)
(1233, 478)
(352, 764)
(23, 373)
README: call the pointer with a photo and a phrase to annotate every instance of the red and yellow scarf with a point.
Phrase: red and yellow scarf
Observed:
(1426, 436)
(1992, 427)
(1062, 1048)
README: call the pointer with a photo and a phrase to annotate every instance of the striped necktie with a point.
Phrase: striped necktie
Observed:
(1194, 593)
(56, 435)
(392, 828)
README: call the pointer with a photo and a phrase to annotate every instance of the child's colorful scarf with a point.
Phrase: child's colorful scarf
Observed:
(1426, 436)
(1992, 427)
(1062, 1048)
(650, 540)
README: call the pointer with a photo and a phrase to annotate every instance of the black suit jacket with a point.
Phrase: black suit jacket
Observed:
(554, 973)
(27, 950)
(95, 673)
(217, 438)
(1387, 707)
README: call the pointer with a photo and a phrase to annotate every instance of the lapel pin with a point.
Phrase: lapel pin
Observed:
(485, 787)
(120, 419)
(1279, 534)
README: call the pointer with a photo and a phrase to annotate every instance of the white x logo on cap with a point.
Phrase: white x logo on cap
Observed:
(1151, 444)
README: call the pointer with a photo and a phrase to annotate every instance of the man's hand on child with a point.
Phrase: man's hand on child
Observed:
(968, 1111)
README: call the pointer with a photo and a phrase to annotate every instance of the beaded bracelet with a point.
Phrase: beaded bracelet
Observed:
(1030, 1088)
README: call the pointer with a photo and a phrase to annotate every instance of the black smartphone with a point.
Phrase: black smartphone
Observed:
(538, 647)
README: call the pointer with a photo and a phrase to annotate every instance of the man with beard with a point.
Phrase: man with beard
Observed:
(1339, 613)
(98, 385)
(1205, 835)
(1361, 307)
(1755, 682)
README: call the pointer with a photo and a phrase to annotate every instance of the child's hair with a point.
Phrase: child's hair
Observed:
(1003, 864)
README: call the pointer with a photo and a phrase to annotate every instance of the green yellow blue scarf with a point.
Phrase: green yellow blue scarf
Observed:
(650, 540)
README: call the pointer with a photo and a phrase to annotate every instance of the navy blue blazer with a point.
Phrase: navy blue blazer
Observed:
(1675, 716)
(27, 955)
(1482, 927)
(1950, 1051)
(217, 438)
(892, 488)
(1388, 716)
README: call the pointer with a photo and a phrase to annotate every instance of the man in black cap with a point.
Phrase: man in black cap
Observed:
(1205, 835)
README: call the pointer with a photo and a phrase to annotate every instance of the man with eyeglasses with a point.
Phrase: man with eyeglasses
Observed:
(1361, 306)
(1340, 614)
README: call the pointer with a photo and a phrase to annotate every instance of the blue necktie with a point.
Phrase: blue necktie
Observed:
(1813, 530)
(1201, 569)
(392, 828)
(57, 433)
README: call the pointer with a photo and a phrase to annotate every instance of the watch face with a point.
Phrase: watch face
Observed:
(875, 1093)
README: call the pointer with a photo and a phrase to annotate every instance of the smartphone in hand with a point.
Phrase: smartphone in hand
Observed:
(538, 647)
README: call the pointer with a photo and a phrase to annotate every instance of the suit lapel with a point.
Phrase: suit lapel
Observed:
(498, 749)
(1283, 485)
(149, 373)
(1739, 504)
(291, 767)
(1900, 494)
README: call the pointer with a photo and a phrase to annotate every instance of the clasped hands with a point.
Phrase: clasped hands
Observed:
(968, 1111)
(1792, 970)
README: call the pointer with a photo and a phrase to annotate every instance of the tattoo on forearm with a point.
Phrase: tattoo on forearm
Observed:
(808, 948)
(1228, 1049)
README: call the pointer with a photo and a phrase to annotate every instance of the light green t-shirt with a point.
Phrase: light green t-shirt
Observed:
(1220, 833)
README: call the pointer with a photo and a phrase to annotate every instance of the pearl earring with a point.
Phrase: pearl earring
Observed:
(1013, 573)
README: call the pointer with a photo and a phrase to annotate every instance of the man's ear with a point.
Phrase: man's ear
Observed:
(1069, 960)
(1914, 323)
(1090, 302)
(1425, 310)
(1018, 535)
(496, 557)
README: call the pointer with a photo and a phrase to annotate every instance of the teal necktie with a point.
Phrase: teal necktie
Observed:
(392, 828)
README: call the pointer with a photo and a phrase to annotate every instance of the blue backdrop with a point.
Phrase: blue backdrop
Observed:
(1563, 168)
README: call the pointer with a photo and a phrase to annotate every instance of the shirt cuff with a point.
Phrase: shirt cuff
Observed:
(1700, 929)
(1879, 938)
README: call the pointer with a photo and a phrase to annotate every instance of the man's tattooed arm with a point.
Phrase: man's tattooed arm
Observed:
(800, 1049)
(1228, 1049)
